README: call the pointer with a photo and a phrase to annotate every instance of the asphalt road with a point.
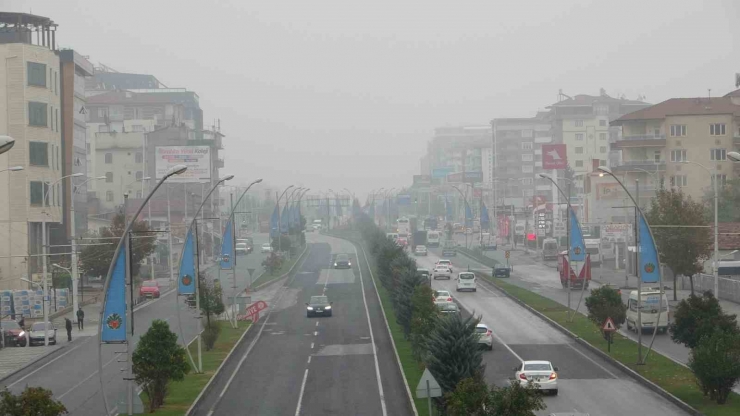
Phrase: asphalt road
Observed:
(73, 377)
(291, 364)
(586, 383)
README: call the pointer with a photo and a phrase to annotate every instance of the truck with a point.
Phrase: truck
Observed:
(430, 223)
(403, 226)
(433, 238)
(449, 248)
(576, 281)
(419, 238)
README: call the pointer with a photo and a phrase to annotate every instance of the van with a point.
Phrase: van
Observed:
(651, 298)
(433, 239)
(549, 249)
(466, 281)
(593, 247)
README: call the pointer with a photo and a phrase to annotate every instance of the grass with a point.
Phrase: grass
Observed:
(267, 277)
(182, 394)
(671, 376)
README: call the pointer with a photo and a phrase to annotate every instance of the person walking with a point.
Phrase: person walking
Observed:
(80, 319)
(68, 325)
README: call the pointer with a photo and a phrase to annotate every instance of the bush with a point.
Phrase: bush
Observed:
(211, 298)
(272, 263)
(603, 303)
(423, 320)
(473, 397)
(716, 364)
(697, 317)
(210, 335)
(33, 401)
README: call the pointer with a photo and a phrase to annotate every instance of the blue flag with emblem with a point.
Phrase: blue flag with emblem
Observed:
(227, 248)
(485, 221)
(186, 276)
(274, 223)
(649, 265)
(114, 316)
(577, 250)
(468, 216)
(284, 221)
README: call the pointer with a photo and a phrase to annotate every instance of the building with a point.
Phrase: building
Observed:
(120, 158)
(658, 141)
(31, 113)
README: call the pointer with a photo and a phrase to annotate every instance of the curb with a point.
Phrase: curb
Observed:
(207, 387)
(630, 372)
(279, 278)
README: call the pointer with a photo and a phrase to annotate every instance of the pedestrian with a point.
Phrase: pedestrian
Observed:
(22, 322)
(80, 319)
(68, 325)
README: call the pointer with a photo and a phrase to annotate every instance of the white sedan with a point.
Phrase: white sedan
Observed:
(266, 248)
(541, 373)
(444, 262)
(442, 297)
(485, 336)
(421, 251)
(441, 272)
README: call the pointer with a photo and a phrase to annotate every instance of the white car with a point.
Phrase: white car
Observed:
(541, 373)
(466, 281)
(36, 334)
(444, 262)
(441, 272)
(442, 297)
(485, 336)
(241, 248)
(266, 248)
(421, 251)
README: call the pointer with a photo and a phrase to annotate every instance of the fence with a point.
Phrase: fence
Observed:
(729, 289)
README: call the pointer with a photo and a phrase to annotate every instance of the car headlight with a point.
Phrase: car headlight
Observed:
(349, 264)
(310, 308)
(328, 307)
(335, 265)
(22, 334)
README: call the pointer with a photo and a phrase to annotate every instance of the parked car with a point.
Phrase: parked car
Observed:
(36, 333)
(485, 336)
(149, 289)
(241, 249)
(441, 272)
(342, 262)
(248, 241)
(501, 271)
(14, 334)
(541, 373)
(466, 281)
(421, 251)
(442, 296)
(318, 305)
(266, 248)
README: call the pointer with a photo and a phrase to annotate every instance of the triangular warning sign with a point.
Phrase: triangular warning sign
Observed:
(609, 325)
(250, 271)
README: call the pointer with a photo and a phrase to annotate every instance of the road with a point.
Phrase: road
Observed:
(587, 384)
(289, 364)
(73, 377)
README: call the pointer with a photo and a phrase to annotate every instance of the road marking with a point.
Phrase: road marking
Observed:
(312, 345)
(47, 364)
(309, 359)
(315, 333)
(88, 377)
(372, 338)
(317, 323)
(300, 396)
(590, 359)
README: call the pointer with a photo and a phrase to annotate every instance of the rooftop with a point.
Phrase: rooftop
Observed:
(186, 98)
(589, 100)
(683, 107)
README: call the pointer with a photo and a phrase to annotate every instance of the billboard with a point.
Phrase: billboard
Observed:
(554, 156)
(616, 231)
(442, 172)
(403, 199)
(196, 158)
(472, 177)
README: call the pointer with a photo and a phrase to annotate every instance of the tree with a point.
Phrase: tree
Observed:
(474, 397)
(603, 303)
(715, 362)
(423, 320)
(157, 360)
(681, 249)
(284, 244)
(409, 281)
(729, 200)
(697, 317)
(468, 398)
(272, 263)
(33, 401)
(211, 298)
(96, 259)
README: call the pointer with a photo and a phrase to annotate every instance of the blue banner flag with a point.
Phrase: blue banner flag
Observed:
(284, 221)
(274, 223)
(227, 248)
(649, 265)
(448, 209)
(114, 316)
(485, 221)
(468, 216)
(186, 276)
(339, 208)
(577, 250)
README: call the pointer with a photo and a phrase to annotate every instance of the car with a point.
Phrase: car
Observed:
(149, 289)
(441, 272)
(14, 334)
(402, 242)
(542, 374)
(613, 286)
(318, 305)
(421, 251)
(342, 262)
(36, 333)
(448, 308)
(241, 249)
(485, 336)
(501, 271)
(266, 248)
(442, 296)
(248, 241)
(444, 262)
(466, 281)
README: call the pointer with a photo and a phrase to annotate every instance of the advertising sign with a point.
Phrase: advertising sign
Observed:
(472, 177)
(403, 199)
(554, 156)
(615, 231)
(442, 172)
(455, 177)
(196, 158)
(422, 180)
(608, 191)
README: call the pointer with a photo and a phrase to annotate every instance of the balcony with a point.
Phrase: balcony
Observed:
(639, 166)
(640, 140)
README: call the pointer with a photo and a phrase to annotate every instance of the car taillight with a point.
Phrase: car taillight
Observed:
(488, 333)
(449, 299)
(553, 376)
(523, 376)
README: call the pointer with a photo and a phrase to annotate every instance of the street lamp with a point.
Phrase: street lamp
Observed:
(6, 143)
(279, 224)
(12, 169)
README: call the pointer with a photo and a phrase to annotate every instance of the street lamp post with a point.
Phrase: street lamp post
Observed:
(279, 224)
(6, 143)
(10, 261)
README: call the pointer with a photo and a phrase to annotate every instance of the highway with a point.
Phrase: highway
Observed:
(587, 384)
(73, 377)
(289, 364)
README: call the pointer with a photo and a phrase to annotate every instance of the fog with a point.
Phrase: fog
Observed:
(338, 93)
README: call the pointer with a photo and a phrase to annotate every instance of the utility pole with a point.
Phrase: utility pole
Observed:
(169, 236)
(197, 295)
(639, 275)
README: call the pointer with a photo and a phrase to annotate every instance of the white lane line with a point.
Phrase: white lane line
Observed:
(315, 333)
(300, 396)
(372, 339)
(317, 323)
(312, 345)
(309, 359)
(590, 359)
(88, 377)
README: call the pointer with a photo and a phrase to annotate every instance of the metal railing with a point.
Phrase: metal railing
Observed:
(643, 137)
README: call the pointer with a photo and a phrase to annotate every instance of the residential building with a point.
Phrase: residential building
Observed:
(657, 142)
(31, 113)
(120, 158)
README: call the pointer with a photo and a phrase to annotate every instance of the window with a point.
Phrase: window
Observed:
(108, 158)
(717, 129)
(527, 133)
(602, 149)
(722, 179)
(139, 175)
(678, 130)
(717, 154)
(109, 196)
(527, 181)
(137, 128)
(579, 136)
(656, 132)
(56, 121)
(527, 157)
(109, 177)
(139, 157)
(579, 150)
(38, 153)
(36, 74)
(679, 181)
(56, 84)
(526, 145)
(602, 162)
(579, 163)
(602, 123)
(37, 114)
(38, 190)
(602, 136)
(657, 156)
(578, 123)
(678, 155)
(138, 194)
(527, 168)
(102, 112)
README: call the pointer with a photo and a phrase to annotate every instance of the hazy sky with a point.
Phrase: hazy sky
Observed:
(342, 93)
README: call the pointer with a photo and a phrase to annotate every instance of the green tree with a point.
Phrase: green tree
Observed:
(603, 303)
(469, 398)
(272, 263)
(211, 298)
(409, 281)
(284, 244)
(157, 360)
(33, 401)
(681, 249)
(697, 317)
(729, 200)
(474, 398)
(715, 362)
(96, 259)
(423, 320)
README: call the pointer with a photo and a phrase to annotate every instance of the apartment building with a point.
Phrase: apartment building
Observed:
(120, 158)
(31, 113)
(658, 143)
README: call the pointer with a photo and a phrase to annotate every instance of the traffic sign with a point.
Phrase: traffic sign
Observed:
(507, 254)
(609, 325)
(428, 386)
(253, 311)
(250, 271)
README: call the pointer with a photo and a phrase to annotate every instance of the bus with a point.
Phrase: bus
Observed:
(728, 268)
(403, 226)
(430, 223)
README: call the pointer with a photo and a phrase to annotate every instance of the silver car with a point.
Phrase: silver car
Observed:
(36, 333)
(421, 251)
(441, 272)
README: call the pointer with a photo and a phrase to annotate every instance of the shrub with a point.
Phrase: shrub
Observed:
(696, 317)
(33, 401)
(210, 335)
(715, 362)
(603, 303)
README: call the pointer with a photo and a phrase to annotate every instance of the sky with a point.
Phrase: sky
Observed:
(333, 94)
